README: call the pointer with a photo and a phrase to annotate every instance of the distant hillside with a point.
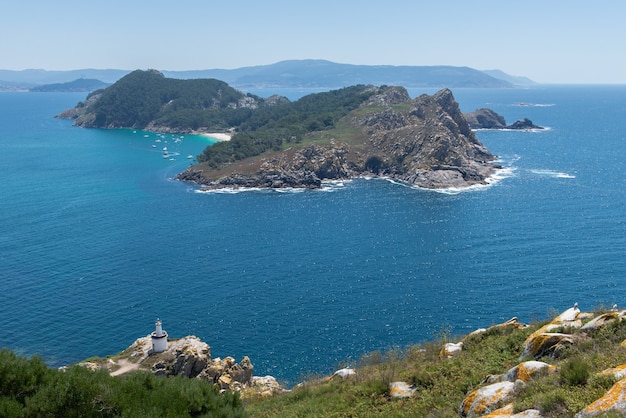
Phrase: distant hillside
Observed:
(321, 73)
(27, 79)
(513, 79)
(148, 100)
(80, 85)
(289, 74)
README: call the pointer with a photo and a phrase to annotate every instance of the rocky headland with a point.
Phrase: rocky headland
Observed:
(187, 357)
(424, 142)
(486, 118)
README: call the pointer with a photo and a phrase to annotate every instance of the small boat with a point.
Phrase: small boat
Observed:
(165, 153)
(190, 156)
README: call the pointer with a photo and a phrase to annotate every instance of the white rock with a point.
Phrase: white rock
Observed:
(345, 373)
(401, 390)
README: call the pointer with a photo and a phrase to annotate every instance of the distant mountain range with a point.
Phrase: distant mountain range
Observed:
(290, 74)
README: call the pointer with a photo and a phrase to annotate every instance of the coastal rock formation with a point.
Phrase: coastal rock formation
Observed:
(189, 357)
(486, 118)
(424, 142)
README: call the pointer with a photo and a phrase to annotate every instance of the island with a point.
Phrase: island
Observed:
(486, 118)
(355, 131)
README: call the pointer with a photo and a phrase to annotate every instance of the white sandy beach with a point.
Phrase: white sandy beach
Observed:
(220, 136)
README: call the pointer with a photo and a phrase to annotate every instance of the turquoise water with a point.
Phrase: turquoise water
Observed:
(97, 241)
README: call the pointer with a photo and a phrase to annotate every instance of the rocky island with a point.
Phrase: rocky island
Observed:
(488, 119)
(424, 142)
(356, 131)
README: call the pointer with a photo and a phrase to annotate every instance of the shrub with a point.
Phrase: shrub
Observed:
(575, 372)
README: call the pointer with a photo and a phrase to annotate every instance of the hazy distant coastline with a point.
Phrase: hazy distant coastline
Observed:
(290, 74)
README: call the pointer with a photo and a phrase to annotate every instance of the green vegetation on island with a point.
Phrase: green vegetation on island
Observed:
(285, 124)
(146, 98)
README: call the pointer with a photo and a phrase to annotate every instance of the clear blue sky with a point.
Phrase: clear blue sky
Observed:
(550, 41)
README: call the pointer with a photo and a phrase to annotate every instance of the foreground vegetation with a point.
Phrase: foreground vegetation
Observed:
(28, 388)
(443, 384)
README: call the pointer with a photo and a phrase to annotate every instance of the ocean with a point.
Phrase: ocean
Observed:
(98, 240)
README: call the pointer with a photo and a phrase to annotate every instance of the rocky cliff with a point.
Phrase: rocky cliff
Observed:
(424, 142)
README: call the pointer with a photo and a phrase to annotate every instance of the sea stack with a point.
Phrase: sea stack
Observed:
(159, 338)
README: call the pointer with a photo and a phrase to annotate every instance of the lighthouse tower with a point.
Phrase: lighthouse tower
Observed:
(159, 338)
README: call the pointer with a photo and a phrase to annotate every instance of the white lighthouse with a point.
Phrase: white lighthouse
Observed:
(159, 338)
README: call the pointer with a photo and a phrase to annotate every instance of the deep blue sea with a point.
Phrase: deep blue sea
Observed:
(97, 241)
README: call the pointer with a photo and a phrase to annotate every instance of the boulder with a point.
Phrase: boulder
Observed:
(603, 320)
(545, 343)
(265, 386)
(451, 350)
(507, 412)
(612, 401)
(524, 371)
(618, 372)
(344, 373)
(511, 323)
(401, 390)
(486, 399)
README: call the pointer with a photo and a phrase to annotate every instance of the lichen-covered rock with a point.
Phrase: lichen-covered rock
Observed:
(618, 372)
(511, 323)
(401, 390)
(264, 386)
(548, 344)
(486, 399)
(612, 401)
(524, 371)
(545, 343)
(451, 350)
(604, 319)
(507, 412)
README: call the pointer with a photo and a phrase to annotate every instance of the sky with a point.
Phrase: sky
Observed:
(549, 41)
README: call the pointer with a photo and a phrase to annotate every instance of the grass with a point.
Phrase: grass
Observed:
(444, 383)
